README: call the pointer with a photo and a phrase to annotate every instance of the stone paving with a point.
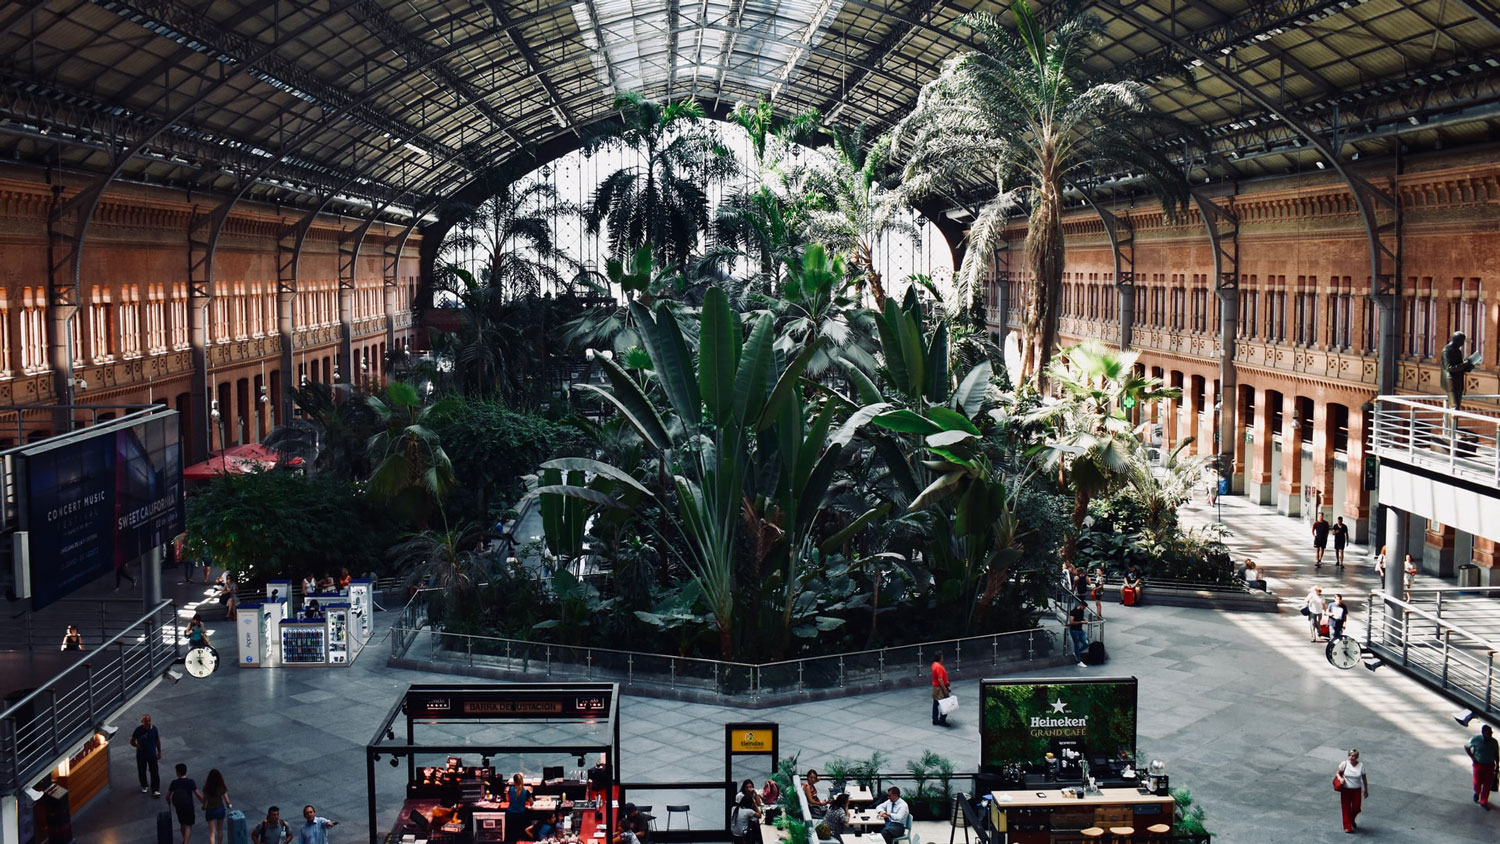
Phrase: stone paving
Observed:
(1246, 712)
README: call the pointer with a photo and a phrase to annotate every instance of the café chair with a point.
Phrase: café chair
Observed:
(672, 810)
(908, 837)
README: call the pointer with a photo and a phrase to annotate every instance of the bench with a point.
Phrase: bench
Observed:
(807, 816)
(1177, 593)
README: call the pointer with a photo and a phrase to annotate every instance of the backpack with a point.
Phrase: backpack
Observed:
(1095, 654)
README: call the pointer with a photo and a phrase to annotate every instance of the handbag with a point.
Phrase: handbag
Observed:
(1305, 610)
(1338, 782)
(947, 705)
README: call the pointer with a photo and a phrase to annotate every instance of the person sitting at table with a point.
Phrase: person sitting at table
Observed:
(838, 816)
(815, 804)
(635, 822)
(542, 827)
(326, 583)
(745, 819)
(894, 812)
(747, 788)
(517, 799)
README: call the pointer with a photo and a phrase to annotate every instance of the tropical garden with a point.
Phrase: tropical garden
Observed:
(736, 439)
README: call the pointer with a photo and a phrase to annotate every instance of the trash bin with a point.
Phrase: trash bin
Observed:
(1223, 486)
(1468, 576)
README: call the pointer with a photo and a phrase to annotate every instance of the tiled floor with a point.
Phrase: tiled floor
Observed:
(1246, 712)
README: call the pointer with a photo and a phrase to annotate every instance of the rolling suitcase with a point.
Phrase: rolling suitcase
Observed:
(1128, 596)
(1095, 654)
(235, 829)
(163, 828)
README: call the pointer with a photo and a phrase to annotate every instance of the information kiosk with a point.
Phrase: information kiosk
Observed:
(448, 735)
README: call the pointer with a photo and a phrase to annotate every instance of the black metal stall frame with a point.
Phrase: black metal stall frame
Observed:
(491, 704)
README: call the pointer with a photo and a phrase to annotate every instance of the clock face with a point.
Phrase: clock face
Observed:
(200, 662)
(1343, 652)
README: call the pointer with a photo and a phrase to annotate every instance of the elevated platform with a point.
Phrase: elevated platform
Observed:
(1440, 462)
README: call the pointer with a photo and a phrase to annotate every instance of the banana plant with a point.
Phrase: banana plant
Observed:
(731, 424)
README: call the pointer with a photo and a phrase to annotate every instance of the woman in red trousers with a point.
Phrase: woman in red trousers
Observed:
(1353, 786)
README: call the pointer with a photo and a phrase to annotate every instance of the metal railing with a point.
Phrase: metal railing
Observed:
(1063, 602)
(1457, 660)
(1427, 431)
(38, 729)
(96, 618)
(907, 664)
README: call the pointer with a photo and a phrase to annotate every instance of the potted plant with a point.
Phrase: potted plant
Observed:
(838, 769)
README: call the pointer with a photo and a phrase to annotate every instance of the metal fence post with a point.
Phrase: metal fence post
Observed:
(629, 669)
(881, 669)
(1405, 633)
(549, 660)
(52, 720)
(800, 687)
(841, 671)
(1489, 679)
(13, 741)
(88, 677)
(469, 649)
(120, 661)
(1030, 645)
(1447, 640)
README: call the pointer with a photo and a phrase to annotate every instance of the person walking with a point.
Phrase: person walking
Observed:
(147, 743)
(183, 796)
(1340, 540)
(314, 829)
(272, 830)
(216, 805)
(1313, 607)
(72, 640)
(1380, 566)
(1337, 615)
(1408, 575)
(940, 688)
(1320, 540)
(1484, 753)
(1076, 619)
(1353, 786)
(122, 572)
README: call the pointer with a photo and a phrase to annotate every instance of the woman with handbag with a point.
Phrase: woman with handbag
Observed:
(1353, 785)
(940, 688)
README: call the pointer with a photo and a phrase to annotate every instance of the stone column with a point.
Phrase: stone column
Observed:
(1289, 493)
(1258, 486)
(1486, 553)
(1395, 549)
(1322, 459)
(1169, 425)
(1238, 430)
(1356, 497)
(1189, 426)
(1437, 550)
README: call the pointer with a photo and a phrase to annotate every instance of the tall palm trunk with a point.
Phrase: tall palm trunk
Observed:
(864, 255)
(1044, 256)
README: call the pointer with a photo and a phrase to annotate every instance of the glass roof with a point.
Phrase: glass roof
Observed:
(753, 44)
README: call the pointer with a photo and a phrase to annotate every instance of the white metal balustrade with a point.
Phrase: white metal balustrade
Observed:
(1426, 431)
(1424, 637)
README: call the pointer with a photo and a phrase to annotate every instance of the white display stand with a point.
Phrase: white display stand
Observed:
(247, 633)
(336, 628)
(303, 642)
(361, 610)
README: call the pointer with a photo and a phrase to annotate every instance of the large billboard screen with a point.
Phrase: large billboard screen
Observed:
(1023, 721)
(98, 500)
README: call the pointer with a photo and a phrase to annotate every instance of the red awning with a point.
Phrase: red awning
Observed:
(237, 460)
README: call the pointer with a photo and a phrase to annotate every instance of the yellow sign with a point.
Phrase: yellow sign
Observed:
(752, 741)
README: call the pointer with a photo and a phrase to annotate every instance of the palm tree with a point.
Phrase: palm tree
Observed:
(1022, 118)
(514, 226)
(1092, 444)
(412, 472)
(662, 201)
(856, 209)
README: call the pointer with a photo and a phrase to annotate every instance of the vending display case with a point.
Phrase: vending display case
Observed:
(336, 623)
(304, 642)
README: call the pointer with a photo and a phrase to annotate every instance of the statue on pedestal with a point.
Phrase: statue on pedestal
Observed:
(1455, 367)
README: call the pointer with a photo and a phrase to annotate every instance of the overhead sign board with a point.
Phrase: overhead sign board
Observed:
(458, 704)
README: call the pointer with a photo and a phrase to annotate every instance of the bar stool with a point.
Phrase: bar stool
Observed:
(1122, 834)
(1092, 833)
(683, 810)
(1159, 831)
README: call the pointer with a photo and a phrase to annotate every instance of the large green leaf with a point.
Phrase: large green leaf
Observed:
(951, 421)
(837, 541)
(907, 422)
(913, 352)
(582, 493)
(936, 385)
(895, 462)
(889, 325)
(718, 352)
(969, 397)
(858, 419)
(810, 497)
(584, 464)
(787, 383)
(670, 358)
(936, 491)
(754, 367)
(627, 397)
(863, 386)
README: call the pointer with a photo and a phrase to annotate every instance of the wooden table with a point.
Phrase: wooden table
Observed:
(1033, 817)
(859, 794)
(865, 819)
(865, 838)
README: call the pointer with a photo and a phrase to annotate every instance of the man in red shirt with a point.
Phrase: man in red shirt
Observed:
(939, 688)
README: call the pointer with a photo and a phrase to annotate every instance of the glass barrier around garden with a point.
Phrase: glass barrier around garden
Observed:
(897, 665)
(43, 725)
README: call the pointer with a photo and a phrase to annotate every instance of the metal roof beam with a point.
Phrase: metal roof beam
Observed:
(267, 67)
(513, 32)
(1287, 59)
(1484, 11)
(881, 51)
(417, 52)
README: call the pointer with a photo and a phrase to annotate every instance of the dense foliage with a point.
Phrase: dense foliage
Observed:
(747, 449)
